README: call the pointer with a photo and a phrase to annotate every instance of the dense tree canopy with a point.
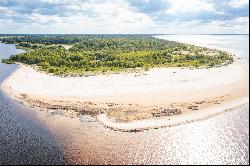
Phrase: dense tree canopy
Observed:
(102, 53)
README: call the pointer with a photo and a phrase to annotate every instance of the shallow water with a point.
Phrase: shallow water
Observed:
(30, 136)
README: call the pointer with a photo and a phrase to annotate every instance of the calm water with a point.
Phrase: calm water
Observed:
(22, 139)
(30, 136)
(237, 44)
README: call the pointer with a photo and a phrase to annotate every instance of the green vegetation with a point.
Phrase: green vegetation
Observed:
(110, 53)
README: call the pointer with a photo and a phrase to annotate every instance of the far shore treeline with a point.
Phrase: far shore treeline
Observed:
(80, 54)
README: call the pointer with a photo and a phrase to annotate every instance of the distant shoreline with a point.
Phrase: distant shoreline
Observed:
(3, 34)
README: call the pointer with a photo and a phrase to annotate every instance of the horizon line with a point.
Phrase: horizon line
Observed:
(121, 34)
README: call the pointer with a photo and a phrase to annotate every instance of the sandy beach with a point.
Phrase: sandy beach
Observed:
(163, 96)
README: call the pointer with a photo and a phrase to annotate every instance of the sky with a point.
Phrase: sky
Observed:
(124, 16)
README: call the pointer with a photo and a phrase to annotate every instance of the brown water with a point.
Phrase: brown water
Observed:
(28, 136)
(23, 140)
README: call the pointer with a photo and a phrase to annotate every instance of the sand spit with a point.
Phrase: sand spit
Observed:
(130, 101)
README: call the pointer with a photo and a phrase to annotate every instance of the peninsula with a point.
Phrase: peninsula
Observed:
(125, 78)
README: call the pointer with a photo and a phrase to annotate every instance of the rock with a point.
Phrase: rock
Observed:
(193, 107)
(199, 102)
(167, 112)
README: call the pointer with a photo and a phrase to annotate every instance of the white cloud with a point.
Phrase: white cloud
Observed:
(238, 25)
(45, 19)
(60, 1)
(119, 16)
(106, 17)
(6, 11)
(181, 6)
(112, 17)
(238, 3)
(240, 21)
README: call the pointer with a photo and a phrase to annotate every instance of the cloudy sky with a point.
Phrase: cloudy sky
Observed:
(124, 16)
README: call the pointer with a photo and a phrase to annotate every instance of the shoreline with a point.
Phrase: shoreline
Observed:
(146, 124)
(209, 99)
(131, 125)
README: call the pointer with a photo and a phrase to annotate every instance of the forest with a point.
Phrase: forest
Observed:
(109, 53)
